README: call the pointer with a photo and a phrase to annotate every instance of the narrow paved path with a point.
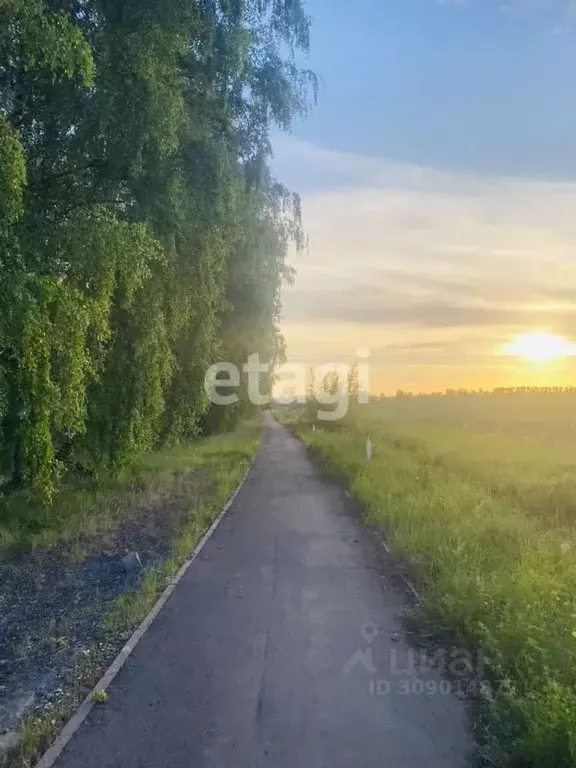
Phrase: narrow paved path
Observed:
(271, 651)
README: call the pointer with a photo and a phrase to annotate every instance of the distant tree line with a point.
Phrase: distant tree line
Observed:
(482, 392)
(142, 236)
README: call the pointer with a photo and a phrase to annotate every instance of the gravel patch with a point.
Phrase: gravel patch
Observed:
(52, 603)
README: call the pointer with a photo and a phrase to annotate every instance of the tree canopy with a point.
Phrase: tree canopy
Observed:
(142, 236)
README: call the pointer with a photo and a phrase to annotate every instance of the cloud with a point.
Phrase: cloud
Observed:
(359, 308)
(407, 255)
(390, 297)
(559, 14)
(530, 6)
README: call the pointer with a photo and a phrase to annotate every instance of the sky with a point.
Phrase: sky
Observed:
(438, 182)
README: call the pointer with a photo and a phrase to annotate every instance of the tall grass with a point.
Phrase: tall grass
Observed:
(478, 518)
(87, 506)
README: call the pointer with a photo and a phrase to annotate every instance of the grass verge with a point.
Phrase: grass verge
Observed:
(87, 506)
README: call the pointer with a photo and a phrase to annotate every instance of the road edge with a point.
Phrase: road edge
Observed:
(381, 536)
(58, 745)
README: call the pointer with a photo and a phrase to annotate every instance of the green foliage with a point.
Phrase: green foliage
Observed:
(142, 237)
(99, 697)
(44, 40)
(85, 506)
(12, 174)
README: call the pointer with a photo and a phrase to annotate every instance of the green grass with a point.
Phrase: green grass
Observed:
(95, 507)
(231, 465)
(99, 697)
(536, 475)
(487, 523)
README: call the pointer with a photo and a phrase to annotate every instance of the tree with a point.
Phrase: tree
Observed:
(142, 236)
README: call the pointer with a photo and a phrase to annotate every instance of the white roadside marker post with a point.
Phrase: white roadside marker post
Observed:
(368, 448)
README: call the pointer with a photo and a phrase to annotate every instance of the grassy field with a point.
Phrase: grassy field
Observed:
(479, 494)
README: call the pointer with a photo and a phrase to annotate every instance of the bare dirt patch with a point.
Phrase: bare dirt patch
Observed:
(53, 601)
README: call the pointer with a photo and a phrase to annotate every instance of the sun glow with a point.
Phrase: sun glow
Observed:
(540, 347)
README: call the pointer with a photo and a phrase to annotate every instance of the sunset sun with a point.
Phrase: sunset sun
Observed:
(540, 347)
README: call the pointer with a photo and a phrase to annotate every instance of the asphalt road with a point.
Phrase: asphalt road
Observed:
(281, 647)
